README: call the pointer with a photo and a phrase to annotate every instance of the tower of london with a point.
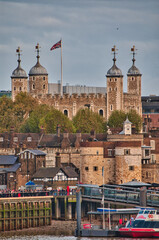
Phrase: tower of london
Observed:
(37, 84)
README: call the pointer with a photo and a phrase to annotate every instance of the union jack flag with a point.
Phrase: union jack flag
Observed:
(56, 45)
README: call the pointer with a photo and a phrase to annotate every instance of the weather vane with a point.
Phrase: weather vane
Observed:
(37, 47)
(114, 50)
(133, 50)
(19, 54)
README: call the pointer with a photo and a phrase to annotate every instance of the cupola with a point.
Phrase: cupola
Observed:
(19, 72)
(38, 69)
(114, 71)
(133, 71)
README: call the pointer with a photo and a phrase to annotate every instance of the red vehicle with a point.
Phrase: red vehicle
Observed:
(146, 224)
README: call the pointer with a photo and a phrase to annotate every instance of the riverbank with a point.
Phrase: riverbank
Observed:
(57, 228)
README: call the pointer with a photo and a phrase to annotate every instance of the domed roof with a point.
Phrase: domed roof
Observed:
(19, 73)
(114, 71)
(133, 70)
(38, 70)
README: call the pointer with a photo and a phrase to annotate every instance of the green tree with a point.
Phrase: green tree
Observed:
(54, 118)
(32, 124)
(7, 119)
(136, 119)
(86, 120)
(24, 104)
(117, 118)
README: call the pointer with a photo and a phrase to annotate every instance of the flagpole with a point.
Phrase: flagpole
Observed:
(61, 90)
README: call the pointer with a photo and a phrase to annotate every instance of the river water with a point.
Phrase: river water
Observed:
(48, 237)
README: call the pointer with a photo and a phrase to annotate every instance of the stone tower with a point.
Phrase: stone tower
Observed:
(134, 77)
(38, 78)
(19, 78)
(114, 87)
(134, 81)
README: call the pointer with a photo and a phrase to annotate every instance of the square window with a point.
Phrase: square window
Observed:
(15, 139)
(126, 151)
(147, 153)
(131, 168)
(95, 168)
(86, 168)
(29, 139)
(109, 152)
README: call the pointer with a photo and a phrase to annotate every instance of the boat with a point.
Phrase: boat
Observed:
(146, 224)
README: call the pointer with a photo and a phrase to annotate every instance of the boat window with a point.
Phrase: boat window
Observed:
(157, 224)
(152, 224)
(146, 212)
(141, 212)
(152, 212)
(138, 223)
(146, 224)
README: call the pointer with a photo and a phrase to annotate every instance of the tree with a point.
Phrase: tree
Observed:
(136, 119)
(117, 118)
(6, 114)
(32, 124)
(54, 118)
(86, 120)
(24, 104)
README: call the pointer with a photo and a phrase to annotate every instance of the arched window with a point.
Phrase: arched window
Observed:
(20, 89)
(101, 112)
(43, 86)
(33, 86)
(65, 112)
(111, 107)
(14, 88)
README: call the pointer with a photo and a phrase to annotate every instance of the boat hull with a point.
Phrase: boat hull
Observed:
(138, 232)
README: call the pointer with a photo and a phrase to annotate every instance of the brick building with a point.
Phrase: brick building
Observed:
(70, 104)
(9, 171)
(123, 155)
(31, 160)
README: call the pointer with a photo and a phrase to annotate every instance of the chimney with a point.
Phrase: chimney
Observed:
(58, 160)
(78, 140)
(58, 130)
(92, 134)
(65, 141)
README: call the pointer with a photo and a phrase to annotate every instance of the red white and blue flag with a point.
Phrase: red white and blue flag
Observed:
(56, 45)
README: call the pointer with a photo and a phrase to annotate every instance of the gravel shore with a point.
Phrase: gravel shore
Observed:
(57, 228)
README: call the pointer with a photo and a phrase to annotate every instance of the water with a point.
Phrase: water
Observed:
(47, 237)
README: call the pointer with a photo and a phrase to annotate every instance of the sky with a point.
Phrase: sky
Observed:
(88, 29)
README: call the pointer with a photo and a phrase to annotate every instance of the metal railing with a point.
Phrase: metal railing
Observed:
(122, 194)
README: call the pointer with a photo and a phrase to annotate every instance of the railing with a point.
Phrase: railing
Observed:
(37, 193)
(125, 195)
(117, 195)
(153, 198)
